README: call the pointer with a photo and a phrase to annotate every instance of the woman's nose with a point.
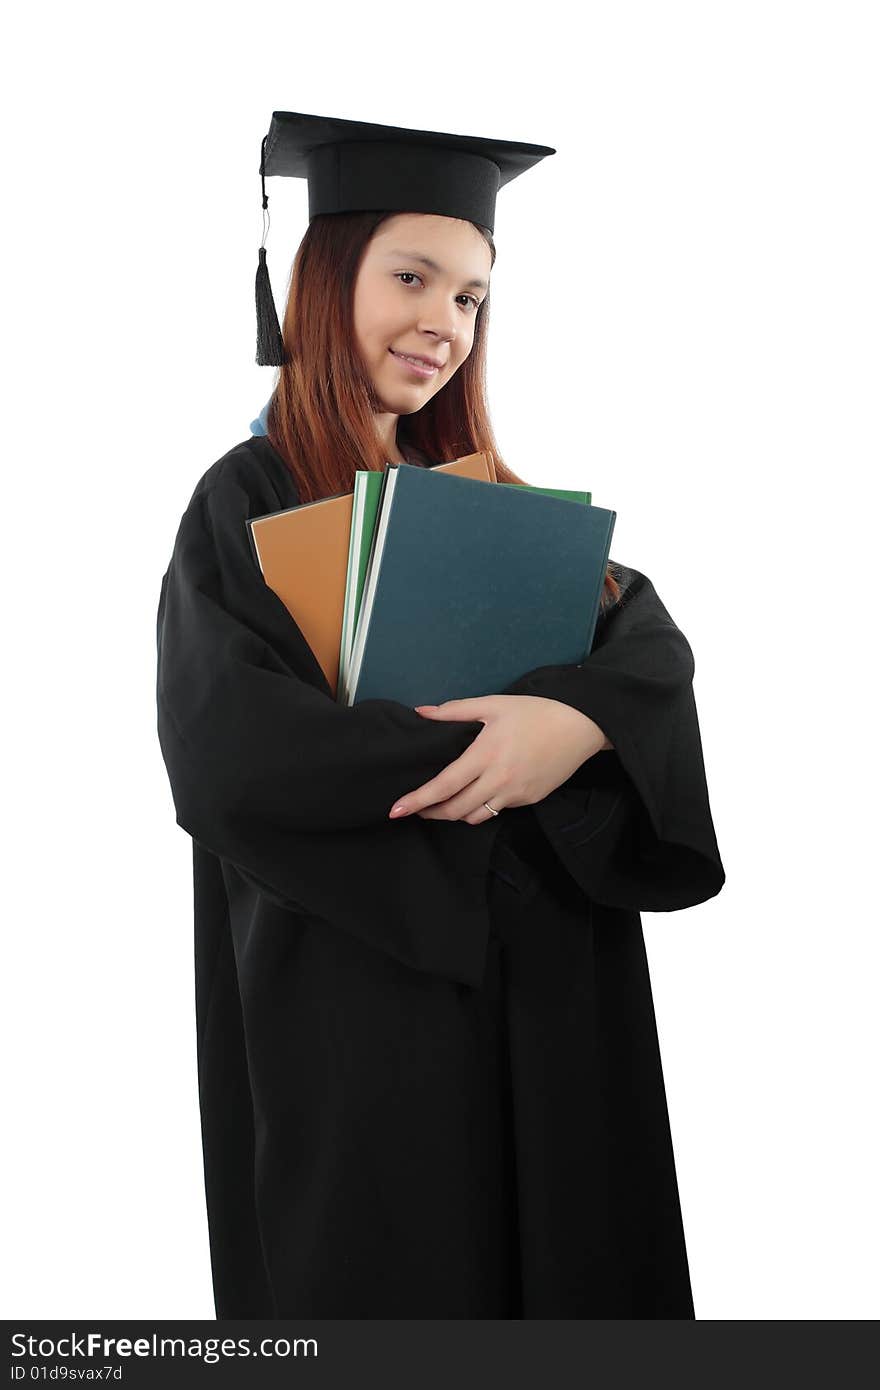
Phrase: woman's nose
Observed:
(439, 319)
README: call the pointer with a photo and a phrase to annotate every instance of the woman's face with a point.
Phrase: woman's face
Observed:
(404, 306)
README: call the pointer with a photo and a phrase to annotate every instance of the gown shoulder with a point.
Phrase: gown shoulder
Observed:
(253, 467)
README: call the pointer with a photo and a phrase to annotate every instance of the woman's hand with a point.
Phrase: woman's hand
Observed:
(529, 747)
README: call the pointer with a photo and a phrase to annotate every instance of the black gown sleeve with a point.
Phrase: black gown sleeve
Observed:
(242, 695)
(633, 824)
(271, 775)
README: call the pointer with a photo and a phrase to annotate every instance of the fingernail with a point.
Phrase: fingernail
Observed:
(396, 810)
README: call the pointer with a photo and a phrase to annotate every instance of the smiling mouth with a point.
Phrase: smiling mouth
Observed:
(415, 365)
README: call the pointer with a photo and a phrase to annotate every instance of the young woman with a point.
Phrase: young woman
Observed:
(429, 1075)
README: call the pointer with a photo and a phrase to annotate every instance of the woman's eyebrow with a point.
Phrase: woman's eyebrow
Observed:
(432, 265)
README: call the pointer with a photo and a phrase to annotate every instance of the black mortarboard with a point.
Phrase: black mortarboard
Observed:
(357, 166)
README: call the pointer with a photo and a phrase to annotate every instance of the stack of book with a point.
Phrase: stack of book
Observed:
(438, 583)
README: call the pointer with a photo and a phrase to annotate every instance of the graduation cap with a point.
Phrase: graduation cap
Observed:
(357, 166)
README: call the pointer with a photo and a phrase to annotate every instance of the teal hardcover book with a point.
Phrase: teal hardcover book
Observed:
(366, 498)
(469, 586)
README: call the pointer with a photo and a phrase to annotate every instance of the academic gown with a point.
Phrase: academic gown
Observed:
(429, 1076)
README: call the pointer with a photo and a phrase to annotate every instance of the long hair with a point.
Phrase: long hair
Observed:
(320, 417)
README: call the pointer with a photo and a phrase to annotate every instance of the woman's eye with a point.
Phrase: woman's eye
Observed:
(411, 275)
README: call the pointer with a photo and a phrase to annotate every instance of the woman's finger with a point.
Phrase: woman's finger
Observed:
(447, 784)
(468, 805)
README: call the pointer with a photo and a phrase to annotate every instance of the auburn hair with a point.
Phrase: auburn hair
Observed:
(320, 418)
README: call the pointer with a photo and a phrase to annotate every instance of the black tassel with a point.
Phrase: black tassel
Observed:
(270, 345)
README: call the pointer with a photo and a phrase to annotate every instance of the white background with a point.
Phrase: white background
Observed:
(684, 320)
